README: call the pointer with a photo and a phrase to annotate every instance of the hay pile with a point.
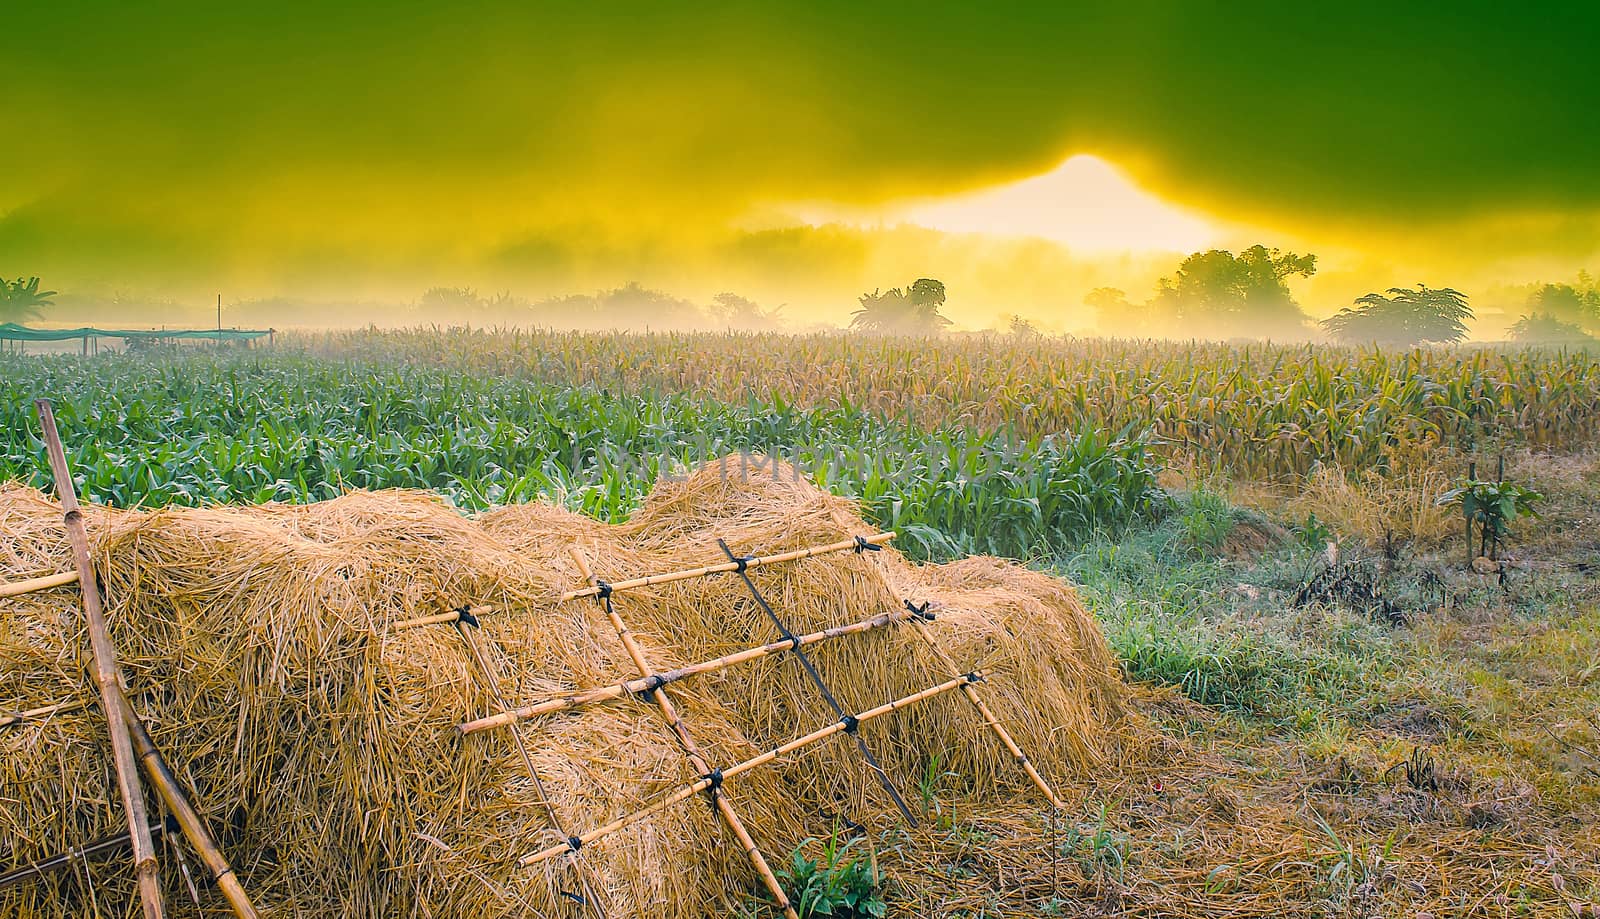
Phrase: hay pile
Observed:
(257, 643)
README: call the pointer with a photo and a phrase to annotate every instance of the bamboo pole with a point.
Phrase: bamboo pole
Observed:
(106, 671)
(878, 772)
(189, 821)
(18, 588)
(795, 555)
(692, 789)
(984, 712)
(43, 711)
(105, 845)
(490, 680)
(581, 697)
(690, 748)
(450, 616)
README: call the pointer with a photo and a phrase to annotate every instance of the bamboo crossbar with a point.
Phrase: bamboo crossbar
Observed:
(580, 697)
(691, 750)
(449, 616)
(877, 539)
(18, 588)
(107, 674)
(806, 740)
(43, 711)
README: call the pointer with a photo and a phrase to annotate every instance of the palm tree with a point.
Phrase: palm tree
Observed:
(1405, 318)
(913, 311)
(21, 300)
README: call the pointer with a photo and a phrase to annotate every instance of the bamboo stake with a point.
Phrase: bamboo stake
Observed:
(18, 588)
(451, 616)
(490, 680)
(44, 711)
(105, 845)
(690, 748)
(988, 716)
(106, 675)
(189, 821)
(820, 734)
(874, 540)
(581, 697)
(878, 771)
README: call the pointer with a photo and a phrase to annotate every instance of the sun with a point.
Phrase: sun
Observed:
(1086, 204)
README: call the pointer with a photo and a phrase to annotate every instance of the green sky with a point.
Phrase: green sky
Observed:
(272, 148)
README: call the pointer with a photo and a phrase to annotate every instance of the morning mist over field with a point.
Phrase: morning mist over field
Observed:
(330, 166)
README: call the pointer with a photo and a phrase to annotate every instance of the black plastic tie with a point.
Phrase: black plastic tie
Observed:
(574, 843)
(602, 590)
(851, 724)
(576, 898)
(921, 612)
(464, 614)
(794, 641)
(713, 781)
(973, 676)
(742, 563)
(863, 546)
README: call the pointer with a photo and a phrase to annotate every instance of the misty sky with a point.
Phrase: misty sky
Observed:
(372, 150)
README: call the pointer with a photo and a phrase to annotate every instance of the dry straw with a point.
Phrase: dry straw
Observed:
(260, 647)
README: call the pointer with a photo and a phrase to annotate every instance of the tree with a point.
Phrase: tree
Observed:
(1567, 304)
(1404, 318)
(1229, 295)
(1545, 329)
(1112, 310)
(735, 312)
(22, 300)
(914, 311)
(458, 302)
(1019, 326)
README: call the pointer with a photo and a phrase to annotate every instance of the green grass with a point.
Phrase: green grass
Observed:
(200, 427)
(1176, 614)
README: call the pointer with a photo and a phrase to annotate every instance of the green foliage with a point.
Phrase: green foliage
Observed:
(1245, 295)
(1314, 534)
(204, 427)
(1405, 318)
(833, 884)
(1492, 505)
(1172, 617)
(22, 300)
(1208, 520)
(913, 311)
(1099, 847)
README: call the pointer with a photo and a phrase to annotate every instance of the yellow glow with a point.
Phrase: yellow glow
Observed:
(1085, 204)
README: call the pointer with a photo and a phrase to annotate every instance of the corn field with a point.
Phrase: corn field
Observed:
(1259, 411)
(208, 427)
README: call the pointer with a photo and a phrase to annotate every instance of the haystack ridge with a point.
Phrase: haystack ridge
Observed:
(258, 643)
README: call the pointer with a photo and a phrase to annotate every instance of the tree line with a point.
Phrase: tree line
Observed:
(1212, 294)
